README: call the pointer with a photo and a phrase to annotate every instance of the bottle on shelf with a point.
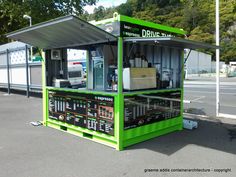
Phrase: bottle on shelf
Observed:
(144, 61)
(114, 82)
(132, 61)
(138, 61)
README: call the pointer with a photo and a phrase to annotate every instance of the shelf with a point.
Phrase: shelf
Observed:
(94, 92)
(151, 91)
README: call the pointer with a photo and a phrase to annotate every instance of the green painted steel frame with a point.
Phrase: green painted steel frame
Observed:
(151, 24)
(146, 132)
(120, 105)
(122, 138)
(123, 18)
(102, 138)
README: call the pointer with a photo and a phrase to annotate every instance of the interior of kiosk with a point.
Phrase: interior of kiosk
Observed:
(146, 66)
(132, 87)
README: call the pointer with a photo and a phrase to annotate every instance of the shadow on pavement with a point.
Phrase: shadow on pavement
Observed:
(195, 111)
(209, 134)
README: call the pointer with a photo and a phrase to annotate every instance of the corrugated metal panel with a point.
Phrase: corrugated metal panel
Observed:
(174, 42)
(65, 31)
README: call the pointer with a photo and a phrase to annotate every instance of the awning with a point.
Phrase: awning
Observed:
(174, 42)
(67, 31)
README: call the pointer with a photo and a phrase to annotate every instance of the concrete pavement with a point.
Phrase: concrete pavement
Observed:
(27, 151)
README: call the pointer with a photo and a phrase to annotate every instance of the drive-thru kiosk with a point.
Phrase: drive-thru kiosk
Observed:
(134, 77)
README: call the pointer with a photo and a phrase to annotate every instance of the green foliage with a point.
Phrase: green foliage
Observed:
(125, 9)
(197, 17)
(12, 11)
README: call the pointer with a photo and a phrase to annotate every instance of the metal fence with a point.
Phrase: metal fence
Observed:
(18, 72)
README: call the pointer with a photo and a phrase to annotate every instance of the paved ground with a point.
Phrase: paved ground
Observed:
(202, 94)
(27, 151)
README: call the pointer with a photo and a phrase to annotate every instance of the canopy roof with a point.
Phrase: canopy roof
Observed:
(70, 31)
(67, 31)
(174, 42)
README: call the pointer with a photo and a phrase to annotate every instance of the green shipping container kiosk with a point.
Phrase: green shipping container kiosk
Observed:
(132, 88)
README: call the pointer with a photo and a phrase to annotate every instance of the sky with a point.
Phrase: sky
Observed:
(104, 3)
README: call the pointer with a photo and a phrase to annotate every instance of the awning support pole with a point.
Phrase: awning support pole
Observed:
(185, 60)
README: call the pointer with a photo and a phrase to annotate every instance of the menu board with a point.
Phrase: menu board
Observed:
(150, 108)
(94, 112)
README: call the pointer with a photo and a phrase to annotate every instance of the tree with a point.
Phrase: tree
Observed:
(12, 11)
(197, 17)
(99, 13)
(125, 9)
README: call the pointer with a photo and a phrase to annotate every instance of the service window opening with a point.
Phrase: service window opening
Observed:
(77, 68)
(87, 68)
(66, 68)
(148, 66)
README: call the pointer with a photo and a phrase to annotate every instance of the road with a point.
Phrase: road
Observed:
(201, 92)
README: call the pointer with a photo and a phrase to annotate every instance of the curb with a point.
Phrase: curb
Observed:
(210, 118)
